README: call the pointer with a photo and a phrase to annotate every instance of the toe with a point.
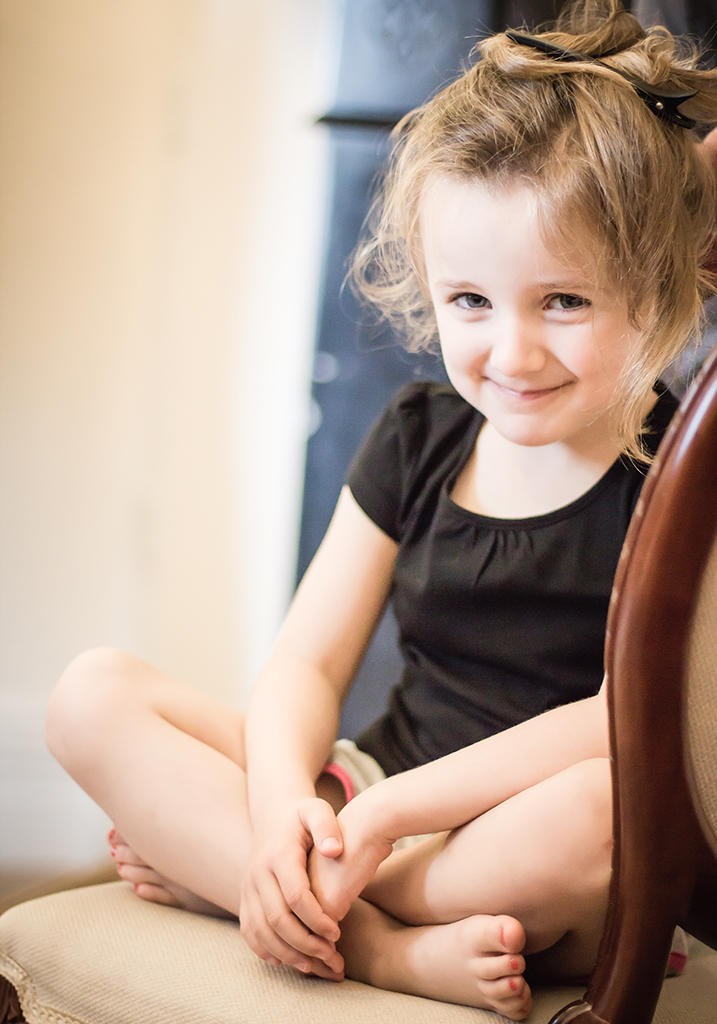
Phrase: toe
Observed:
(123, 854)
(138, 875)
(510, 934)
(510, 996)
(508, 965)
(505, 989)
(156, 894)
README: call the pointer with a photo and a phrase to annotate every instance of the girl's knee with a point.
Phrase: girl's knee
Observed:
(591, 798)
(90, 691)
(592, 782)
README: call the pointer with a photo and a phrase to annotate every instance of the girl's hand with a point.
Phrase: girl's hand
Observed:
(281, 919)
(337, 881)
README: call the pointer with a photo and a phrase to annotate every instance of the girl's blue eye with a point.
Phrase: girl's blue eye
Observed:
(469, 300)
(568, 302)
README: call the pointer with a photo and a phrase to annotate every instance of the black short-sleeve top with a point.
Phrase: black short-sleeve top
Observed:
(498, 619)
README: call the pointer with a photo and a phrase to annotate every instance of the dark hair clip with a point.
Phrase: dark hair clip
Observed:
(663, 104)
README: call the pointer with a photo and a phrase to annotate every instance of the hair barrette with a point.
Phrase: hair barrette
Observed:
(663, 104)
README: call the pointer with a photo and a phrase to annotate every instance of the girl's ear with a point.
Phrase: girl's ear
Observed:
(710, 145)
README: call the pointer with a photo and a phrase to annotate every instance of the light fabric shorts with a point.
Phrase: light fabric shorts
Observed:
(356, 771)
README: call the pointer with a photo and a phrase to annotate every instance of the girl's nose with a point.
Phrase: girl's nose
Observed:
(517, 347)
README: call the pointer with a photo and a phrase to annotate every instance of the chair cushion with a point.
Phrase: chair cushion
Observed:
(100, 955)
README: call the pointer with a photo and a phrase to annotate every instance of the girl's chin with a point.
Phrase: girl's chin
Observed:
(527, 438)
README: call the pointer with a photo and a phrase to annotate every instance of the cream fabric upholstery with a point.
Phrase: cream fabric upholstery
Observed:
(102, 956)
(701, 726)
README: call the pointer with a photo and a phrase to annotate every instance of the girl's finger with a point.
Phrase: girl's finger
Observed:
(268, 945)
(304, 908)
(268, 924)
(320, 822)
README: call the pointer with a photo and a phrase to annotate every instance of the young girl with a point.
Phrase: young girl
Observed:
(548, 217)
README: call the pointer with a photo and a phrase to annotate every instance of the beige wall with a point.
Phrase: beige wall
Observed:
(161, 197)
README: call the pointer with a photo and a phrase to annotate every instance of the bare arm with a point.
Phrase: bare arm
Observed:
(292, 723)
(459, 787)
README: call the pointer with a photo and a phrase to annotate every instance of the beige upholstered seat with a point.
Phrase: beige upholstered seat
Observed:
(102, 956)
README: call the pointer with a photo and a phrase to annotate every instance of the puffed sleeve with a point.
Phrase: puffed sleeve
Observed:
(379, 474)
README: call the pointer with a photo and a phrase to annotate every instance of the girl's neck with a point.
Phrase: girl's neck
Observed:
(514, 481)
(505, 480)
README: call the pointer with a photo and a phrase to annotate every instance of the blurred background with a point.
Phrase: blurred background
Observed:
(162, 216)
(182, 379)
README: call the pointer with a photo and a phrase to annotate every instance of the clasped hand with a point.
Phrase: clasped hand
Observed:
(281, 919)
(303, 874)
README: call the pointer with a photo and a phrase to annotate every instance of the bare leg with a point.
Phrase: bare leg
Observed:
(542, 857)
(165, 762)
(149, 884)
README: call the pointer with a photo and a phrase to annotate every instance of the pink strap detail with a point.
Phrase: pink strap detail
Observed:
(339, 772)
(677, 961)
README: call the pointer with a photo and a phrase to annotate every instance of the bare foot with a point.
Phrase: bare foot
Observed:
(476, 961)
(152, 886)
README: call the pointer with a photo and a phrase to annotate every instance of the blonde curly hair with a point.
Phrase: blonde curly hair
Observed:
(598, 160)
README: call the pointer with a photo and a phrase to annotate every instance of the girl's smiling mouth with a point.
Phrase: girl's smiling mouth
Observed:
(525, 394)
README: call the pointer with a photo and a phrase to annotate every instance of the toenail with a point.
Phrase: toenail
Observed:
(514, 963)
(514, 985)
(111, 834)
(113, 852)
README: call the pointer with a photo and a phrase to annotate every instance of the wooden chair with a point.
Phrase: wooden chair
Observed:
(99, 955)
(661, 660)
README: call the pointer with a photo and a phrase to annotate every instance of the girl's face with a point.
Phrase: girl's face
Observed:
(533, 343)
